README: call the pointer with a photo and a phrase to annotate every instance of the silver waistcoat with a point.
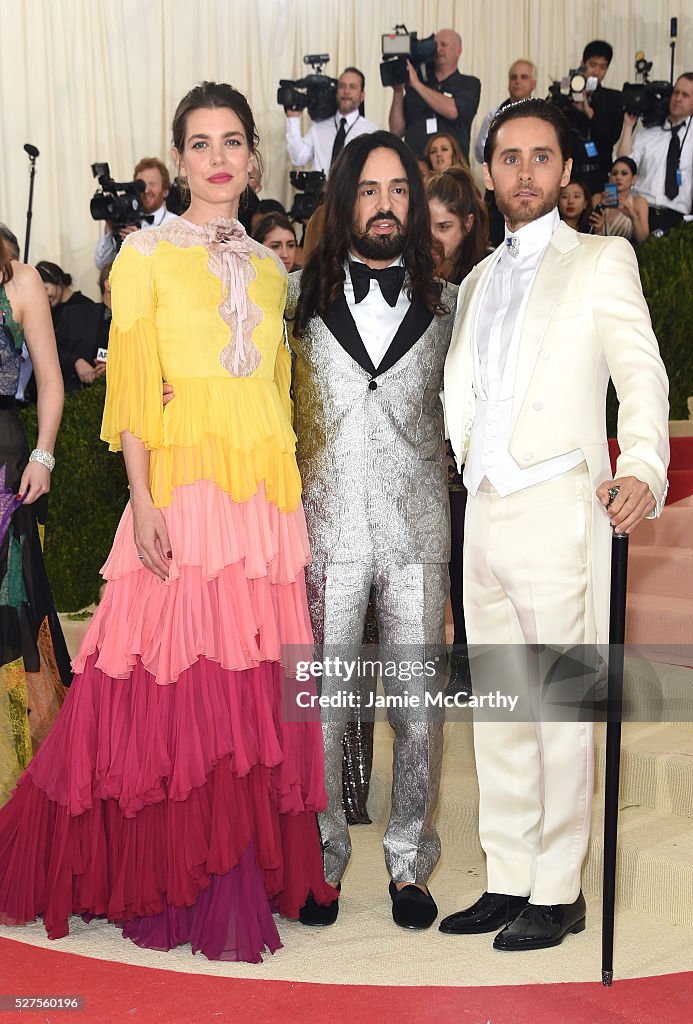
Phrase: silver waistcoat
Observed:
(371, 449)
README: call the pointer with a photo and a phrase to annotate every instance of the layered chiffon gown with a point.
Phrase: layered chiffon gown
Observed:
(171, 796)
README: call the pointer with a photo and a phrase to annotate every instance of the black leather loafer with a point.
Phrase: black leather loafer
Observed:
(490, 911)
(412, 907)
(319, 915)
(539, 927)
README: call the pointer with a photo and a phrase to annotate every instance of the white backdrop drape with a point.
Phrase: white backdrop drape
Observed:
(88, 80)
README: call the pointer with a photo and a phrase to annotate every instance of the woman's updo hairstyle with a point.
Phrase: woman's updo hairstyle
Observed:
(211, 95)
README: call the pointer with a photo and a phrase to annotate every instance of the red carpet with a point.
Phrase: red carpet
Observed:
(119, 992)
(680, 467)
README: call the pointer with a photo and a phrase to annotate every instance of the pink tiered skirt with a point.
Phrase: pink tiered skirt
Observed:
(170, 795)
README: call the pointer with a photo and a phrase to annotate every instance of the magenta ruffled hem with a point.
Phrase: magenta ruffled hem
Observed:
(182, 812)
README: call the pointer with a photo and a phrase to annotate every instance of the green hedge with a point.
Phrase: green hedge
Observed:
(666, 269)
(88, 494)
(90, 488)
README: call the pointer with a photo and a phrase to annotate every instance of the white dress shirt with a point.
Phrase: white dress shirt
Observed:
(650, 148)
(105, 248)
(376, 320)
(499, 316)
(316, 145)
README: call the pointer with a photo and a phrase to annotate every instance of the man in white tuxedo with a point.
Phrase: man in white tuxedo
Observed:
(541, 325)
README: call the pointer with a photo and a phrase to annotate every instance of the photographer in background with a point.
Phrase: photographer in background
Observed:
(596, 119)
(448, 103)
(664, 157)
(324, 140)
(82, 338)
(156, 178)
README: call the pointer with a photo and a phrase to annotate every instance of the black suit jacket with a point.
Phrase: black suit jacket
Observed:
(81, 332)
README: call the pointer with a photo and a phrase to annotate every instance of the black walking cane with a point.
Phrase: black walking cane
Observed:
(617, 630)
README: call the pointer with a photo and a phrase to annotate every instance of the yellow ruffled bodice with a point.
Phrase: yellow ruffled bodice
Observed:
(230, 420)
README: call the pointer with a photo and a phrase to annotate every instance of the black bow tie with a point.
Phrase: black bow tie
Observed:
(148, 218)
(390, 280)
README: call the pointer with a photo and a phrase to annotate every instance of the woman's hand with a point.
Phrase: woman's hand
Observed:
(151, 537)
(597, 220)
(88, 373)
(36, 480)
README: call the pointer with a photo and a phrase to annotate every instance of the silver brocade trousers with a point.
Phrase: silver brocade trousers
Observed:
(410, 609)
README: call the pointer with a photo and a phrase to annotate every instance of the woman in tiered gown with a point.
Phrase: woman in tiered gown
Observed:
(171, 796)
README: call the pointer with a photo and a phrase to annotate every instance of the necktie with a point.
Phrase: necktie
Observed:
(512, 244)
(671, 185)
(390, 280)
(339, 140)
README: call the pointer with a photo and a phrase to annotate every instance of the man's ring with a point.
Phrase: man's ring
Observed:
(613, 491)
(141, 558)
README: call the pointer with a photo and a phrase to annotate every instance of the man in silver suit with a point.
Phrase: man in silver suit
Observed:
(371, 330)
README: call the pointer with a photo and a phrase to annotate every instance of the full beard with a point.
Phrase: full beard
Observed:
(379, 247)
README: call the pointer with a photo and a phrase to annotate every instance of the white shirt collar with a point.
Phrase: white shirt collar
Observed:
(350, 118)
(536, 235)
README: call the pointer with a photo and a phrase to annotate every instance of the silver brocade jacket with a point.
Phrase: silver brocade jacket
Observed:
(371, 447)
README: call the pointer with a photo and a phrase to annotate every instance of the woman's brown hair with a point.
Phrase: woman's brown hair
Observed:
(456, 189)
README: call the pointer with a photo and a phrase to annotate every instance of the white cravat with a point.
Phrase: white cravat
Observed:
(500, 316)
(376, 320)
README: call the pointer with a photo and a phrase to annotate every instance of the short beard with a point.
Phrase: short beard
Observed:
(379, 247)
(525, 214)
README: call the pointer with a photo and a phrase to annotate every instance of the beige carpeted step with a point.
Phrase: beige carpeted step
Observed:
(654, 868)
(656, 767)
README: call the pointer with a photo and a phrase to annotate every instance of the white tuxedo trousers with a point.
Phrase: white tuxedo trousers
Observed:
(527, 580)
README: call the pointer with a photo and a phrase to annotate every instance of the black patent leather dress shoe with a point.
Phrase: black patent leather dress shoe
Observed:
(412, 907)
(319, 915)
(539, 927)
(490, 911)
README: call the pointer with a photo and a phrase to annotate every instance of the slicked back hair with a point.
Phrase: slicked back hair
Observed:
(323, 276)
(540, 109)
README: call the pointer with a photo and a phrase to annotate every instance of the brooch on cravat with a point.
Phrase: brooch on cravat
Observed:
(512, 244)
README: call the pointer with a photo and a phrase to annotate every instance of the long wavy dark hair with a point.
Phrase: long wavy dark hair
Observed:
(323, 275)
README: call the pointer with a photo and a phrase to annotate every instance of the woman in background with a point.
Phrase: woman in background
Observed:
(34, 662)
(575, 206)
(459, 226)
(58, 285)
(443, 151)
(628, 215)
(173, 795)
(276, 232)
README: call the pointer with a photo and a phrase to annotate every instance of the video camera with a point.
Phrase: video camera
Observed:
(398, 47)
(119, 202)
(571, 89)
(645, 99)
(316, 92)
(309, 187)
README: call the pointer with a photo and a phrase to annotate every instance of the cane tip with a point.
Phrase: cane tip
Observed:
(607, 978)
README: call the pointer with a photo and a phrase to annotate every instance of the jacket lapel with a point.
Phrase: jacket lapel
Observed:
(416, 322)
(340, 322)
(549, 287)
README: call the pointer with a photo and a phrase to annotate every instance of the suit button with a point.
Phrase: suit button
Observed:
(372, 385)
(538, 406)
